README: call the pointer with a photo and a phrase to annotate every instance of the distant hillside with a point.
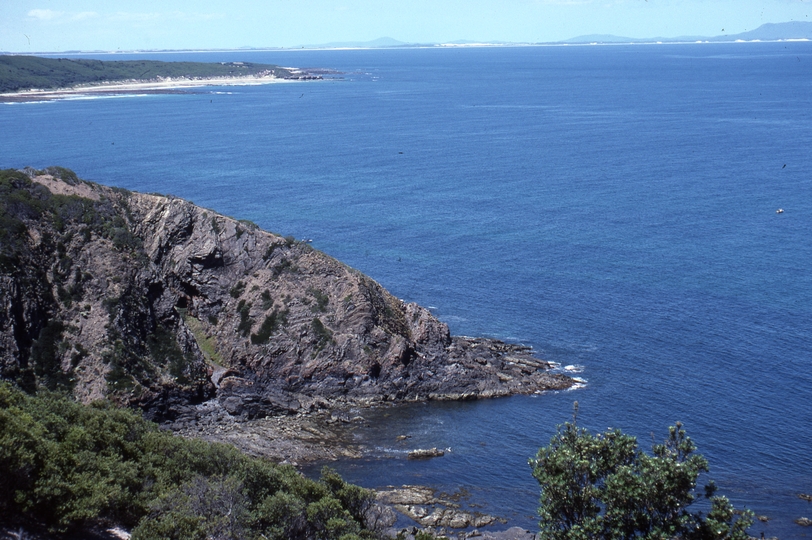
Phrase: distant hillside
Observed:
(787, 30)
(26, 72)
(599, 38)
(374, 44)
(765, 32)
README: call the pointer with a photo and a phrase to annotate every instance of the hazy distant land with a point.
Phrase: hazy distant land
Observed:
(765, 32)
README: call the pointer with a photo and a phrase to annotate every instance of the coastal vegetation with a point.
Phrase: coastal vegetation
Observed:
(603, 486)
(27, 72)
(65, 467)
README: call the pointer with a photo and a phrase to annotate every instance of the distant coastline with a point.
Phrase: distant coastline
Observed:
(33, 78)
(170, 85)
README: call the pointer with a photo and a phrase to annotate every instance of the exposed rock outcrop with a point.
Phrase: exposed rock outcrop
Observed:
(431, 509)
(159, 303)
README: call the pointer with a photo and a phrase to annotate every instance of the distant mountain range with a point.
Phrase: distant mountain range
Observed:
(765, 32)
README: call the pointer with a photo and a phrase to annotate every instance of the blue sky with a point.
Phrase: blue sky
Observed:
(60, 25)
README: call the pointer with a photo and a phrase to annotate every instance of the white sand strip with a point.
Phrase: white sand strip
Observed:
(163, 85)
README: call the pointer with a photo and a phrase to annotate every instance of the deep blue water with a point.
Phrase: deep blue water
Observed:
(614, 207)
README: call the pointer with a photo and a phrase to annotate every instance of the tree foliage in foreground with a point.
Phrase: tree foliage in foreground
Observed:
(604, 487)
(65, 466)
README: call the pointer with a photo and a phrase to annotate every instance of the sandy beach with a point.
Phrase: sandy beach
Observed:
(166, 85)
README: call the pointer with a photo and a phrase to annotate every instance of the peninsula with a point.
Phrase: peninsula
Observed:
(204, 321)
(27, 78)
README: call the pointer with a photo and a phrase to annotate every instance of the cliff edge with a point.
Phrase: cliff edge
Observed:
(154, 302)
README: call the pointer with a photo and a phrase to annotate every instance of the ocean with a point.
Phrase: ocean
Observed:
(612, 206)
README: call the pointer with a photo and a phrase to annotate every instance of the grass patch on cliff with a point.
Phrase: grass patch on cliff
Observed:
(207, 344)
(67, 466)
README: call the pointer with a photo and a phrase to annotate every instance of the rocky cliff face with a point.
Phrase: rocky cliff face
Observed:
(155, 302)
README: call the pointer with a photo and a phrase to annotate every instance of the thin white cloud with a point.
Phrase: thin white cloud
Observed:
(61, 16)
(44, 14)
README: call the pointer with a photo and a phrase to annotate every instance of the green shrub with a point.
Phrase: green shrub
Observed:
(322, 333)
(246, 323)
(321, 299)
(237, 290)
(269, 252)
(267, 301)
(269, 326)
(65, 466)
(283, 266)
(604, 486)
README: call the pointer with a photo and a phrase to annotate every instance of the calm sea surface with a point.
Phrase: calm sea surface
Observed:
(615, 207)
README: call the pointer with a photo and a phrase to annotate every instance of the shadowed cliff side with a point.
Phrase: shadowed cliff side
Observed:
(155, 302)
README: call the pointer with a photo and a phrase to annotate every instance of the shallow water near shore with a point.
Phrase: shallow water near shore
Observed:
(614, 207)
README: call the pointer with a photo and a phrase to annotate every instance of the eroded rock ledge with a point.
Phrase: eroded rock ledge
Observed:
(158, 303)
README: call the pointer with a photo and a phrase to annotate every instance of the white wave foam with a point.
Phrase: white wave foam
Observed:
(87, 97)
(26, 102)
(387, 450)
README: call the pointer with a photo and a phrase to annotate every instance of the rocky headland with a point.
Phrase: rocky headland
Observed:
(204, 321)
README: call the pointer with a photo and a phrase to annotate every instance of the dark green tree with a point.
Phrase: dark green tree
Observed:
(604, 487)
